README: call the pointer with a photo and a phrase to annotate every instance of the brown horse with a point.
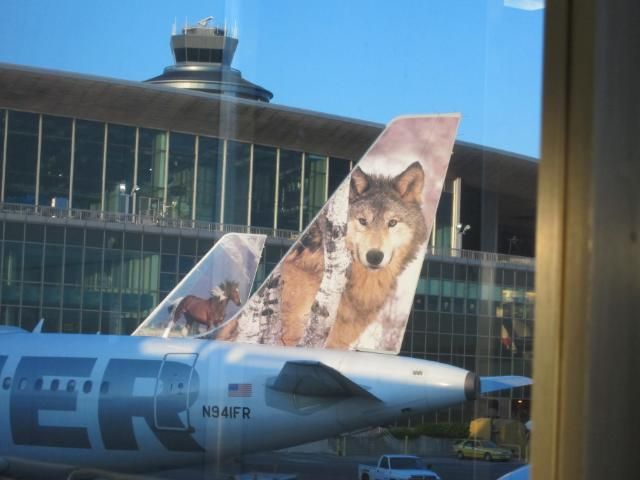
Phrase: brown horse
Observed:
(207, 312)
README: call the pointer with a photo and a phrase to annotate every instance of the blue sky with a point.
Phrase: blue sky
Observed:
(366, 59)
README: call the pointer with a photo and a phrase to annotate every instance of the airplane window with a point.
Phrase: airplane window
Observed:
(6, 383)
(86, 388)
(23, 384)
(71, 385)
(38, 385)
(54, 385)
(104, 388)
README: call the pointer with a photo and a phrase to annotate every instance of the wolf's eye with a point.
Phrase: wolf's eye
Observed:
(393, 222)
(363, 221)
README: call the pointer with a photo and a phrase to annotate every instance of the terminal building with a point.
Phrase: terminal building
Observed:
(111, 190)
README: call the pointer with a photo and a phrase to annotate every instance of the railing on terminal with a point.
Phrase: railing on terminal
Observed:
(157, 220)
(479, 256)
(160, 220)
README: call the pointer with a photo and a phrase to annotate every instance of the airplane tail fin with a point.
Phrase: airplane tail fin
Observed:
(213, 291)
(348, 282)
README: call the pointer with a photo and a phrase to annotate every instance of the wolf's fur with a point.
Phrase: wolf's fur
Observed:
(385, 229)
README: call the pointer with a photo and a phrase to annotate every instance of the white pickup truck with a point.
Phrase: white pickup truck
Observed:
(397, 467)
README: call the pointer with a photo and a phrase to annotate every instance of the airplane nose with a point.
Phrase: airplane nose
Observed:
(374, 257)
(471, 386)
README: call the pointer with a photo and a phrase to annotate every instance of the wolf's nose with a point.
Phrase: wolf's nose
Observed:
(374, 257)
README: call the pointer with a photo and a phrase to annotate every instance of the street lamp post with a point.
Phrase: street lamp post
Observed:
(128, 197)
(462, 231)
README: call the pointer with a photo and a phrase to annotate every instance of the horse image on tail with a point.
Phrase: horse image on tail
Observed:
(209, 312)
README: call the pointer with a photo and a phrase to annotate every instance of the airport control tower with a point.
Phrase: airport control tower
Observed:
(203, 56)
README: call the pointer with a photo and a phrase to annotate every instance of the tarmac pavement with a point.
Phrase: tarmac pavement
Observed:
(323, 466)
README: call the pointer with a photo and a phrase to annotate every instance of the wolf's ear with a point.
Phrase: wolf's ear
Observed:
(359, 183)
(410, 182)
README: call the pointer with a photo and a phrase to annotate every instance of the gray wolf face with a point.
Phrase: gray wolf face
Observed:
(385, 222)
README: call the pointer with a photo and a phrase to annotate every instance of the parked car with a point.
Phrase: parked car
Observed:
(485, 449)
(397, 467)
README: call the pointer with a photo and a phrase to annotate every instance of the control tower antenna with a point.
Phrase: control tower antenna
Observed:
(205, 21)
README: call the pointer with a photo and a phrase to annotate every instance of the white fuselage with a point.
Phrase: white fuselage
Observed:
(139, 403)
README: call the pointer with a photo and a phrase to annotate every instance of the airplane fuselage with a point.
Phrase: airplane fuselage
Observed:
(139, 403)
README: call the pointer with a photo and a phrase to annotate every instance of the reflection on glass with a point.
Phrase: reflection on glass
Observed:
(152, 158)
(71, 297)
(476, 317)
(33, 262)
(180, 177)
(43, 273)
(209, 184)
(55, 161)
(87, 165)
(70, 324)
(92, 267)
(73, 265)
(22, 157)
(121, 144)
(132, 266)
(90, 323)
(290, 181)
(236, 192)
(443, 220)
(315, 185)
(53, 261)
(338, 171)
(112, 269)
(2, 120)
(263, 186)
(12, 263)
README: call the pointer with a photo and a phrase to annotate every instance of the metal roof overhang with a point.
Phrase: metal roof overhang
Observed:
(167, 108)
(155, 106)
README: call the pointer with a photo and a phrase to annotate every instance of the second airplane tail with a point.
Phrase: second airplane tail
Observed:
(213, 291)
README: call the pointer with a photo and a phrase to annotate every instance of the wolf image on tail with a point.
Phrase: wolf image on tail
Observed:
(348, 282)
(385, 230)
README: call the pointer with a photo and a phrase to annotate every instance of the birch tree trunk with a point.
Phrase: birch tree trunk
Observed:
(337, 260)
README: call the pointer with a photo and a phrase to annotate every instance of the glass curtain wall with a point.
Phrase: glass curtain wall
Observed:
(87, 165)
(2, 120)
(289, 185)
(443, 220)
(152, 159)
(118, 187)
(12, 269)
(477, 317)
(180, 175)
(263, 186)
(22, 158)
(72, 279)
(315, 186)
(33, 273)
(338, 171)
(156, 162)
(87, 280)
(209, 183)
(55, 161)
(236, 192)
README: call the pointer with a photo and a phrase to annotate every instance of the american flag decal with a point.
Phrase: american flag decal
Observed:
(239, 390)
